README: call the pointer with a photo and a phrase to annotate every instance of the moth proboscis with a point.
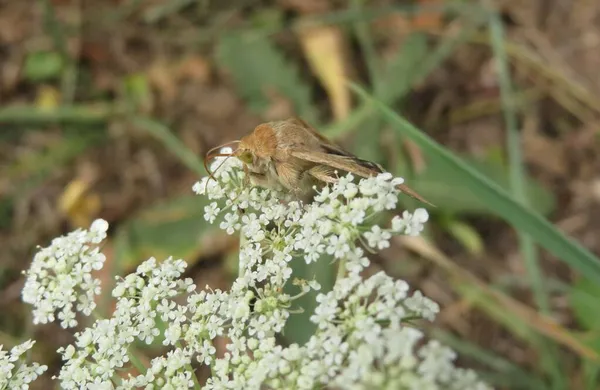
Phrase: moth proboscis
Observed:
(291, 155)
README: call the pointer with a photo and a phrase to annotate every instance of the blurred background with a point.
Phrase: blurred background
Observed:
(107, 108)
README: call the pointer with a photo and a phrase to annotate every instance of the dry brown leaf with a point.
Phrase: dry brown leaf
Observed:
(544, 325)
(545, 153)
(324, 48)
(194, 68)
(161, 77)
(79, 204)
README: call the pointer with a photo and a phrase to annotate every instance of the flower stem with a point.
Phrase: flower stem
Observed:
(241, 268)
(341, 270)
(133, 358)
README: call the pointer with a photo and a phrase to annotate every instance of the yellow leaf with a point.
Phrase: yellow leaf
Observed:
(47, 98)
(324, 50)
(79, 204)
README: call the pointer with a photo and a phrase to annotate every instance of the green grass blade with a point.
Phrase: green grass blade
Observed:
(24, 114)
(171, 142)
(513, 376)
(515, 160)
(550, 357)
(499, 201)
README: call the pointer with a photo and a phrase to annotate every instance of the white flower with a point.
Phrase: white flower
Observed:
(59, 279)
(378, 238)
(230, 224)
(211, 212)
(15, 373)
(422, 306)
(410, 224)
(338, 246)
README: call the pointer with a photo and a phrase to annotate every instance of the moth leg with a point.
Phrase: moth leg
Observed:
(289, 176)
(246, 175)
(259, 179)
(254, 178)
(323, 173)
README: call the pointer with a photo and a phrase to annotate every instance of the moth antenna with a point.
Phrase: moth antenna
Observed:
(210, 173)
(222, 146)
(209, 155)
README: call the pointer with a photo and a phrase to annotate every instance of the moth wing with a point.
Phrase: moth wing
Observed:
(302, 123)
(344, 163)
(354, 165)
(325, 144)
(412, 193)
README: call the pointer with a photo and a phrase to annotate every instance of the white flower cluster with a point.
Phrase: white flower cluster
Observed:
(14, 373)
(60, 276)
(142, 297)
(362, 340)
(339, 217)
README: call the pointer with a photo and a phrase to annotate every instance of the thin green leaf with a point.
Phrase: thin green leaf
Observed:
(171, 142)
(550, 356)
(512, 375)
(585, 301)
(497, 199)
(439, 186)
(21, 114)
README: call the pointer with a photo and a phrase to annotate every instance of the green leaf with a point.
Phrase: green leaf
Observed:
(400, 73)
(494, 196)
(466, 235)
(268, 18)
(591, 369)
(172, 228)
(170, 141)
(443, 186)
(43, 66)
(585, 301)
(298, 327)
(98, 113)
(138, 90)
(257, 67)
(405, 67)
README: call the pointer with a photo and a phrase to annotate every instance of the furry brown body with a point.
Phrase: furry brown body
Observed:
(291, 155)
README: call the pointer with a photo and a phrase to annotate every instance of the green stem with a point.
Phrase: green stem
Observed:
(133, 358)
(341, 270)
(241, 270)
(191, 369)
(517, 176)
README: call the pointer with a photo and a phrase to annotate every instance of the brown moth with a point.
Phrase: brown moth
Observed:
(292, 156)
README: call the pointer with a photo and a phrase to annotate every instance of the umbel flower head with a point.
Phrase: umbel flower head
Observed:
(362, 337)
(59, 281)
